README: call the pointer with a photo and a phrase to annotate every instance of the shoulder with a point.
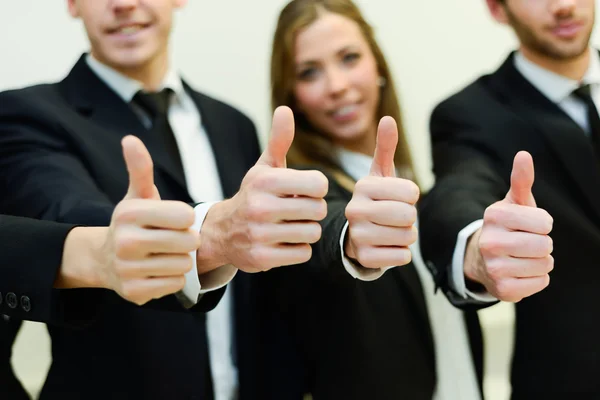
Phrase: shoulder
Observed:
(211, 105)
(30, 100)
(475, 96)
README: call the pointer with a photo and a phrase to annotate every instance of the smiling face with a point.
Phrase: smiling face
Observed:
(337, 84)
(553, 29)
(127, 34)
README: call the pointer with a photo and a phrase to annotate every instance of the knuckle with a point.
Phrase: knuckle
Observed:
(353, 211)
(258, 258)
(411, 214)
(405, 257)
(494, 268)
(120, 269)
(487, 244)
(188, 215)
(364, 255)
(495, 214)
(305, 254)
(504, 290)
(549, 222)
(321, 183)
(256, 233)
(124, 244)
(194, 239)
(179, 283)
(321, 212)
(412, 235)
(549, 245)
(362, 185)
(128, 291)
(315, 233)
(411, 190)
(187, 264)
(263, 180)
(124, 212)
(549, 264)
(546, 282)
(357, 234)
(255, 210)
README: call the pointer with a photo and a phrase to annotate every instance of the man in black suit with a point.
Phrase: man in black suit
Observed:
(488, 227)
(58, 160)
(119, 258)
(143, 255)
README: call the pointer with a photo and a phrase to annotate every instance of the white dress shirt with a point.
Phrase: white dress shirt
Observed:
(203, 184)
(558, 89)
(456, 378)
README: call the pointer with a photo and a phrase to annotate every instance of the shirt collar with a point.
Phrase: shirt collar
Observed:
(126, 87)
(554, 86)
(356, 165)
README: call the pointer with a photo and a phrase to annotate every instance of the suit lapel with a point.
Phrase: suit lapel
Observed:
(565, 136)
(94, 100)
(216, 126)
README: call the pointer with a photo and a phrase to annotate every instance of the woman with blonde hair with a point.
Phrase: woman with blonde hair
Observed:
(356, 318)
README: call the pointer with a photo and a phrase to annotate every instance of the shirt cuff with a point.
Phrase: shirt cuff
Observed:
(457, 281)
(213, 280)
(356, 270)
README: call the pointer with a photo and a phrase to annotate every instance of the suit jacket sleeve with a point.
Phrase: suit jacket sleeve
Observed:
(45, 180)
(30, 256)
(467, 182)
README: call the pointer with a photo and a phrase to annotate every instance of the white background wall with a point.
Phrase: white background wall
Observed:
(222, 47)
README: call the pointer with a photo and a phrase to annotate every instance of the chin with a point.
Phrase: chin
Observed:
(132, 57)
(350, 134)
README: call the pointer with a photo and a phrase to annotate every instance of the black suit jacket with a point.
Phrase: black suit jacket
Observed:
(32, 275)
(61, 160)
(352, 339)
(475, 136)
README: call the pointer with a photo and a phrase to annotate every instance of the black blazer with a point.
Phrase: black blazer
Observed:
(475, 136)
(30, 256)
(61, 160)
(353, 339)
(32, 275)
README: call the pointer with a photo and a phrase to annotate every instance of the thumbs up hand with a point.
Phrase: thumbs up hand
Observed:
(146, 252)
(510, 253)
(382, 213)
(273, 219)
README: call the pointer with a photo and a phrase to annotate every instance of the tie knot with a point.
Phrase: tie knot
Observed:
(156, 104)
(584, 92)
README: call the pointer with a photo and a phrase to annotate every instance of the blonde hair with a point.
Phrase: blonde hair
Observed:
(311, 147)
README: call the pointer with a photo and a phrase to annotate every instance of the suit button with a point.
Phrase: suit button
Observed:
(11, 300)
(25, 303)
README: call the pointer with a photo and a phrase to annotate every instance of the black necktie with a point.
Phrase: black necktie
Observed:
(584, 92)
(156, 104)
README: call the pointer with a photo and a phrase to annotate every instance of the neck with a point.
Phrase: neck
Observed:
(150, 74)
(572, 68)
(365, 144)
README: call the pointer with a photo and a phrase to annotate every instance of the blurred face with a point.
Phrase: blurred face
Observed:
(126, 34)
(556, 29)
(337, 80)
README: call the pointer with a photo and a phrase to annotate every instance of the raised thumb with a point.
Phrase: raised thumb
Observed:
(282, 136)
(521, 180)
(385, 148)
(140, 169)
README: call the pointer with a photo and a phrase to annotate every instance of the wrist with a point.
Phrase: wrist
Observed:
(212, 253)
(473, 259)
(81, 262)
(348, 248)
